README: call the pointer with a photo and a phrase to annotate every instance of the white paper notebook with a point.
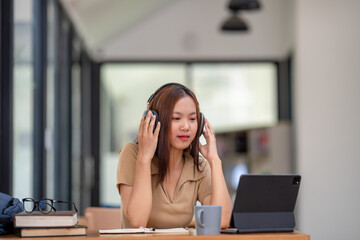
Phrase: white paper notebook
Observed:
(169, 231)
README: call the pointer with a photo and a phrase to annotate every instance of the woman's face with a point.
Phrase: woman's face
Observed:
(184, 123)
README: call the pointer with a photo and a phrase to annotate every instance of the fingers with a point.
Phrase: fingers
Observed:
(147, 125)
(209, 150)
(152, 129)
(209, 131)
(209, 127)
(150, 125)
(147, 122)
(157, 129)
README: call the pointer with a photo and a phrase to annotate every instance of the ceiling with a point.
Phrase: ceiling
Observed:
(98, 21)
(178, 29)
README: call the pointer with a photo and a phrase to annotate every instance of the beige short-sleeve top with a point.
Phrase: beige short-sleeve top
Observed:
(193, 185)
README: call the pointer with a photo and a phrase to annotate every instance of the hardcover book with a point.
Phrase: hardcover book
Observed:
(77, 230)
(41, 220)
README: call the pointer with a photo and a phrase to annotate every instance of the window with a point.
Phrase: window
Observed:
(234, 96)
(23, 100)
(237, 96)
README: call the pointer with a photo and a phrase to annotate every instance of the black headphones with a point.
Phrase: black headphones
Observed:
(202, 118)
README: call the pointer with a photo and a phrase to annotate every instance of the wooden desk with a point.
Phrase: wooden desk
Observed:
(250, 236)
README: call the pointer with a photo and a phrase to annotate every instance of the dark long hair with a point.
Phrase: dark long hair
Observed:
(164, 102)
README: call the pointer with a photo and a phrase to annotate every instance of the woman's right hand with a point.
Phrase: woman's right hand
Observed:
(147, 138)
(137, 199)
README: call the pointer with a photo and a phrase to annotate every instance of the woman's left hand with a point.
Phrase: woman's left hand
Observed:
(220, 194)
(209, 150)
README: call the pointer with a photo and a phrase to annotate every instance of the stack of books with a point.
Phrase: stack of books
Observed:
(38, 224)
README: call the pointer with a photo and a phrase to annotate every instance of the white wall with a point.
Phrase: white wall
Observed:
(327, 115)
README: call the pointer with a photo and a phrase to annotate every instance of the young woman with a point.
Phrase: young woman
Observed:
(161, 177)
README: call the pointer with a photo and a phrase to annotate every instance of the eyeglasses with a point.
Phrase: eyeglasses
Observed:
(45, 205)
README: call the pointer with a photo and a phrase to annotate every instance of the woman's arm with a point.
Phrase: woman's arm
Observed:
(137, 199)
(220, 194)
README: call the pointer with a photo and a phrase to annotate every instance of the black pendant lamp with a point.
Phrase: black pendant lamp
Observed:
(235, 23)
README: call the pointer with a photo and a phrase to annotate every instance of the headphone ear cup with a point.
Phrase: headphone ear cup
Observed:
(202, 123)
(153, 112)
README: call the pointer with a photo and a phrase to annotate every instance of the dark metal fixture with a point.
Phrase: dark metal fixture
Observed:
(235, 23)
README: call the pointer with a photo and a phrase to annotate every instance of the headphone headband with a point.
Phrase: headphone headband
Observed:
(158, 90)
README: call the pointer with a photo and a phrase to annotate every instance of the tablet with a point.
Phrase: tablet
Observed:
(265, 203)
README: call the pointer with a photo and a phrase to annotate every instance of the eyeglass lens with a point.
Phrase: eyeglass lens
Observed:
(29, 205)
(45, 205)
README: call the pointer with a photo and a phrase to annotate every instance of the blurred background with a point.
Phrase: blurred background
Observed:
(278, 79)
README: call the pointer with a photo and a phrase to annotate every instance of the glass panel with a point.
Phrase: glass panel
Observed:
(50, 101)
(76, 111)
(23, 100)
(237, 96)
(125, 89)
(76, 134)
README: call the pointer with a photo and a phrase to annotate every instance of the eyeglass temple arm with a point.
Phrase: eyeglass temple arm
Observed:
(59, 201)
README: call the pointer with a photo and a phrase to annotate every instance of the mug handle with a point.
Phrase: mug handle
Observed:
(198, 218)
